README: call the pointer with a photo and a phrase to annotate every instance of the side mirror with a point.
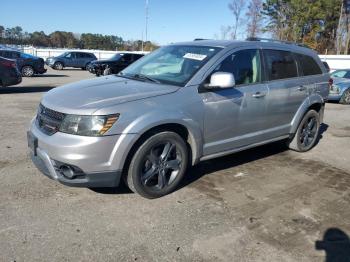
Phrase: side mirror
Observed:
(221, 80)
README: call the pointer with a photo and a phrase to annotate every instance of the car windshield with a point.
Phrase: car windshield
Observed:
(340, 73)
(174, 64)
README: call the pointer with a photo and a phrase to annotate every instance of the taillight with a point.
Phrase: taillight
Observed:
(8, 63)
(330, 82)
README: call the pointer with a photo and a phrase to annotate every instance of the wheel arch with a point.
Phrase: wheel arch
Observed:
(315, 102)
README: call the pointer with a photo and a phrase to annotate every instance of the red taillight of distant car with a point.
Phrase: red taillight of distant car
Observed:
(8, 64)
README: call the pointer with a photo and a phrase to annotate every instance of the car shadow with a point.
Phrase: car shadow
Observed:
(236, 159)
(336, 244)
(48, 75)
(25, 89)
(211, 166)
(120, 190)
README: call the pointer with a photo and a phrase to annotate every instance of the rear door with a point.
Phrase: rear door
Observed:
(286, 91)
(312, 73)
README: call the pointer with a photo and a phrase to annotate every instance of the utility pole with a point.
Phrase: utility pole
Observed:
(146, 14)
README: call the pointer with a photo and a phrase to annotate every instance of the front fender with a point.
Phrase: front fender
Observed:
(146, 122)
(307, 103)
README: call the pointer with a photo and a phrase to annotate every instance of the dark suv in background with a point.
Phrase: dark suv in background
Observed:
(71, 59)
(28, 65)
(9, 74)
(115, 64)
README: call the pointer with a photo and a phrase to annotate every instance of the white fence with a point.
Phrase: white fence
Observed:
(47, 52)
(337, 61)
(334, 61)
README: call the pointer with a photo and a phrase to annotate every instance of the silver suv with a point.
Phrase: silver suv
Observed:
(175, 107)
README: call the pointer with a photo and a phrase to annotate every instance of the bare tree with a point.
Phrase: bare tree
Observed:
(236, 7)
(254, 16)
(225, 30)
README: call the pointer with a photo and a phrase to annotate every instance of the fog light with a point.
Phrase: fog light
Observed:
(67, 172)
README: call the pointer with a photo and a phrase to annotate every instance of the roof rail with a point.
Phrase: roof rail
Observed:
(275, 41)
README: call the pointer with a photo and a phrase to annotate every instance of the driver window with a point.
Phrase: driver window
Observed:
(69, 55)
(245, 65)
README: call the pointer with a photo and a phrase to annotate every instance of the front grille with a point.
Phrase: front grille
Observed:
(48, 120)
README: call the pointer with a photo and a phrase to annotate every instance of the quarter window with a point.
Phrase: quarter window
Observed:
(280, 64)
(308, 65)
(244, 65)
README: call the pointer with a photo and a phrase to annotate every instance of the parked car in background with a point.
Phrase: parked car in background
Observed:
(71, 59)
(114, 65)
(148, 124)
(9, 73)
(28, 65)
(340, 88)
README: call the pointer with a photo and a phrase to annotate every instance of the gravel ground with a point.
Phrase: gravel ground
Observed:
(264, 204)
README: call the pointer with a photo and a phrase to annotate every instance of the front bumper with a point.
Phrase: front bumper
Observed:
(46, 165)
(99, 160)
(334, 96)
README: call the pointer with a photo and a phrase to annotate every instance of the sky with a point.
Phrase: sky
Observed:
(169, 20)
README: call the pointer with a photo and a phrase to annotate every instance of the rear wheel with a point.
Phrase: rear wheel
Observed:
(307, 132)
(158, 165)
(58, 66)
(27, 71)
(345, 98)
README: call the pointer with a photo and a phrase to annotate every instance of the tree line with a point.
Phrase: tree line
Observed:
(319, 24)
(62, 39)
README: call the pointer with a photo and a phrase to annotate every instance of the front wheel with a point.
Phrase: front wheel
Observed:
(345, 98)
(158, 165)
(58, 66)
(27, 71)
(307, 132)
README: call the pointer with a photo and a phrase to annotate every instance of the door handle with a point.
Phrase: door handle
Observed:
(259, 95)
(301, 88)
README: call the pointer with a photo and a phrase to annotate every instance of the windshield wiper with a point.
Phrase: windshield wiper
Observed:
(139, 76)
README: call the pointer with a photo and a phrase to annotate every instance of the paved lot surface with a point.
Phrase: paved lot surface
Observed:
(266, 204)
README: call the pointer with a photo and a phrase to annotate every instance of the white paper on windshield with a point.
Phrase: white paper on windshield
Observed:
(193, 56)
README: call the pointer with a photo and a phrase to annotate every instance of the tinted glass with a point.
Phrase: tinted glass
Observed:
(308, 65)
(244, 65)
(280, 64)
(127, 58)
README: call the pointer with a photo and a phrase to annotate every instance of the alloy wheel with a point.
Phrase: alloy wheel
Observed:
(308, 132)
(161, 166)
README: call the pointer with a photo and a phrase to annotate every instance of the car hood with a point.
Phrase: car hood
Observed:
(87, 96)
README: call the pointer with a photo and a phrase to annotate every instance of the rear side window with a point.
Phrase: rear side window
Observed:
(244, 65)
(280, 64)
(127, 58)
(308, 65)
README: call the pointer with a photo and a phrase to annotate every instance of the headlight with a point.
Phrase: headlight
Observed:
(87, 125)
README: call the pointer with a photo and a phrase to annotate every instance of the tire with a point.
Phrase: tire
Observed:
(345, 98)
(58, 66)
(158, 165)
(27, 71)
(306, 135)
(107, 71)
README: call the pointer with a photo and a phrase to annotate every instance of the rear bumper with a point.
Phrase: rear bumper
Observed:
(13, 80)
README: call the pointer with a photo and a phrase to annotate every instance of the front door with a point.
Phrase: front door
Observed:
(235, 117)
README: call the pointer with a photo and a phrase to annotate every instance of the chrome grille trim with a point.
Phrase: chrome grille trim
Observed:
(49, 120)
